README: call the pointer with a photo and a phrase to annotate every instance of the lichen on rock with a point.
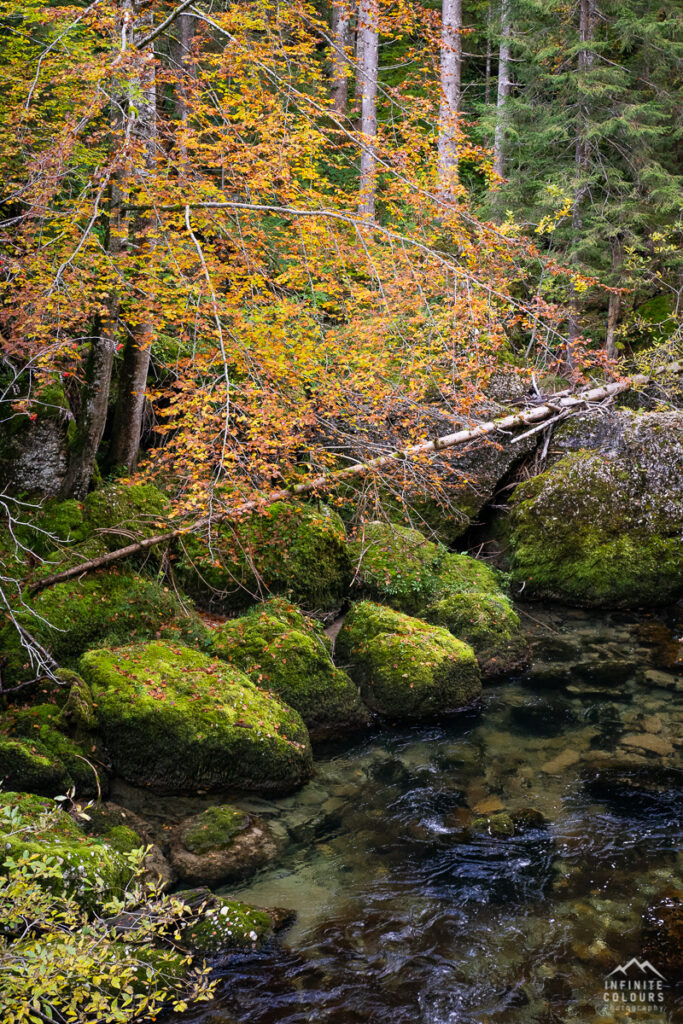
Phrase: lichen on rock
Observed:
(174, 719)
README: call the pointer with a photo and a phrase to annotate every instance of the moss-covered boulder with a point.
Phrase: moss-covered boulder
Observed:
(221, 844)
(40, 753)
(604, 525)
(296, 550)
(290, 655)
(106, 608)
(402, 568)
(224, 926)
(489, 624)
(174, 719)
(405, 668)
(91, 870)
(121, 512)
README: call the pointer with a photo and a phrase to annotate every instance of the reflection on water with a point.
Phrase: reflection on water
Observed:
(492, 869)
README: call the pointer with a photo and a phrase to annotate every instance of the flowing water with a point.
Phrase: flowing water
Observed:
(419, 902)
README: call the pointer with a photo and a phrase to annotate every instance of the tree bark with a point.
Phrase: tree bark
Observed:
(503, 89)
(127, 425)
(368, 31)
(587, 19)
(341, 30)
(487, 86)
(328, 481)
(451, 95)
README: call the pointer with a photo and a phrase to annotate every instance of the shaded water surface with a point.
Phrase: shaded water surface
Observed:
(417, 903)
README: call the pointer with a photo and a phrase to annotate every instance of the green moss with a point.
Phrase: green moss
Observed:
(106, 608)
(397, 565)
(401, 568)
(214, 829)
(119, 510)
(297, 550)
(228, 925)
(174, 719)
(594, 531)
(89, 869)
(78, 710)
(290, 656)
(123, 839)
(488, 623)
(405, 668)
(36, 754)
(499, 825)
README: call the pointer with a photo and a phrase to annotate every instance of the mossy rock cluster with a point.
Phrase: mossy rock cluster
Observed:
(406, 669)
(603, 526)
(296, 550)
(89, 869)
(176, 720)
(289, 655)
(43, 750)
(401, 568)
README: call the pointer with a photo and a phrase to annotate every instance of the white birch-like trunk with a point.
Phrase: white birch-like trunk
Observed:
(451, 94)
(503, 89)
(369, 38)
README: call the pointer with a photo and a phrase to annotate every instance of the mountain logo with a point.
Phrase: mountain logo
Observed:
(636, 969)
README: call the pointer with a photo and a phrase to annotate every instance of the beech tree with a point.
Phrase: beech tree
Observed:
(451, 79)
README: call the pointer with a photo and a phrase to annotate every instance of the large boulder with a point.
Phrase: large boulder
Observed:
(221, 844)
(224, 926)
(296, 550)
(289, 655)
(489, 624)
(405, 668)
(400, 567)
(604, 525)
(176, 720)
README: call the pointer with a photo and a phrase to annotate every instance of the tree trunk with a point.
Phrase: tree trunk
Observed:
(451, 94)
(503, 89)
(587, 19)
(358, 86)
(368, 30)
(341, 25)
(130, 403)
(185, 29)
(487, 86)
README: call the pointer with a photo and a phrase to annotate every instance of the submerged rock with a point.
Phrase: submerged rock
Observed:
(603, 525)
(285, 653)
(297, 550)
(405, 668)
(224, 926)
(221, 844)
(662, 933)
(174, 719)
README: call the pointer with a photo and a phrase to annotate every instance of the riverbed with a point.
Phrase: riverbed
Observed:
(488, 868)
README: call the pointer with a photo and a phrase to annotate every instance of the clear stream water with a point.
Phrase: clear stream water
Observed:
(407, 916)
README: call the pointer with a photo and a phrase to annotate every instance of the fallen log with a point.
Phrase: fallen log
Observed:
(328, 481)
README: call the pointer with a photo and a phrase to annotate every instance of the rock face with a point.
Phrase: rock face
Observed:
(604, 525)
(297, 550)
(400, 567)
(282, 651)
(221, 844)
(33, 452)
(405, 668)
(174, 719)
